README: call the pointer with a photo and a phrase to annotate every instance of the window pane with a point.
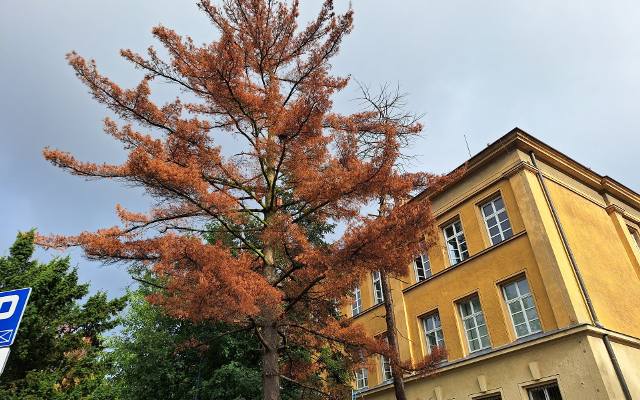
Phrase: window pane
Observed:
(482, 329)
(510, 291)
(487, 210)
(458, 226)
(475, 301)
(523, 286)
(463, 247)
(452, 244)
(507, 233)
(449, 231)
(532, 314)
(547, 392)
(554, 392)
(485, 342)
(429, 322)
(518, 318)
(492, 397)
(521, 330)
(499, 204)
(494, 231)
(537, 394)
(515, 307)
(535, 325)
(469, 324)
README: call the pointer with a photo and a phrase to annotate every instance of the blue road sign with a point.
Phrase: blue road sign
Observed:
(12, 305)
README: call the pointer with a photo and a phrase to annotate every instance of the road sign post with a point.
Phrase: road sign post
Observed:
(12, 306)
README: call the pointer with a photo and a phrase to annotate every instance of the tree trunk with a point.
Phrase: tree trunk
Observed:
(270, 365)
(392, 338)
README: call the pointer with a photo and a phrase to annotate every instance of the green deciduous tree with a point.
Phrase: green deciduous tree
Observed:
(57, 352)
(155, 356)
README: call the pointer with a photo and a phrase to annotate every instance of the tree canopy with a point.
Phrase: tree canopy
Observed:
(58, 350)
(266, 82)
(156, 356)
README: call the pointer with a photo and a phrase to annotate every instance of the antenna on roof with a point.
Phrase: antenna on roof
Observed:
(468, 150)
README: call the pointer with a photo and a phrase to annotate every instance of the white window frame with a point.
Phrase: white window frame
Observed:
(362, 378)
(356, 305)
(436, 331)
(474, 317)
(503, 234)
(544, 387)
(378, 295)
(424, 272)
(385, 367)
(519, 299)
(459, 238)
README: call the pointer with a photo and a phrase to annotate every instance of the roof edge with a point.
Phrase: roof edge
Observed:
(520, 139)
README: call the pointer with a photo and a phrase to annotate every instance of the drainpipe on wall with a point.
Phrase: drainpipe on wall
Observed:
(581, 284)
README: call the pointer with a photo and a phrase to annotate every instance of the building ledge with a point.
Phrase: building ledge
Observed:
(518, 345)
(462, 263)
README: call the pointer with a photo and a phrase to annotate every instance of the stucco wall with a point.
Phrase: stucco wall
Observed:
(610, 277)
(571, 361)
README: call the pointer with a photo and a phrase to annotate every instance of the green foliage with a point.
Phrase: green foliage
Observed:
(156, 356)
(57, 352)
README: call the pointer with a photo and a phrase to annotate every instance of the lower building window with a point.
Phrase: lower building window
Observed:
(387, 375)
(521, 307)
(546, 392)
(433, 331)
(378, 296)
(356, 305)
(495, 396)
(422, 267)
(362, 378)
(475, 327)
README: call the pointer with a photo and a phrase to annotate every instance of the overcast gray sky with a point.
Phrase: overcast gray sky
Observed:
(567, 72)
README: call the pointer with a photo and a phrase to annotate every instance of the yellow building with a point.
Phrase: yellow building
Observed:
(533, 288)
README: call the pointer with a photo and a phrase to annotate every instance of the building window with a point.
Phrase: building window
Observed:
(422, 267)
(497, 221)
(546, 392)
(433, 331)
(521, 307)
(378, 296)
(634, 233)
(456, 243)
(385, 364)
(362, 378)
(495, 396)
(356, 306)
(475, 327)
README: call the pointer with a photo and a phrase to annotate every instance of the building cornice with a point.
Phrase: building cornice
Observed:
(519, 345)
(521, 140)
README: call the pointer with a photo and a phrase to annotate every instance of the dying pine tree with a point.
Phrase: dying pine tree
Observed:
(298, 163)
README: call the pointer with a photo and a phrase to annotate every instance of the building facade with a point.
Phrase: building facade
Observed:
(533, 288)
